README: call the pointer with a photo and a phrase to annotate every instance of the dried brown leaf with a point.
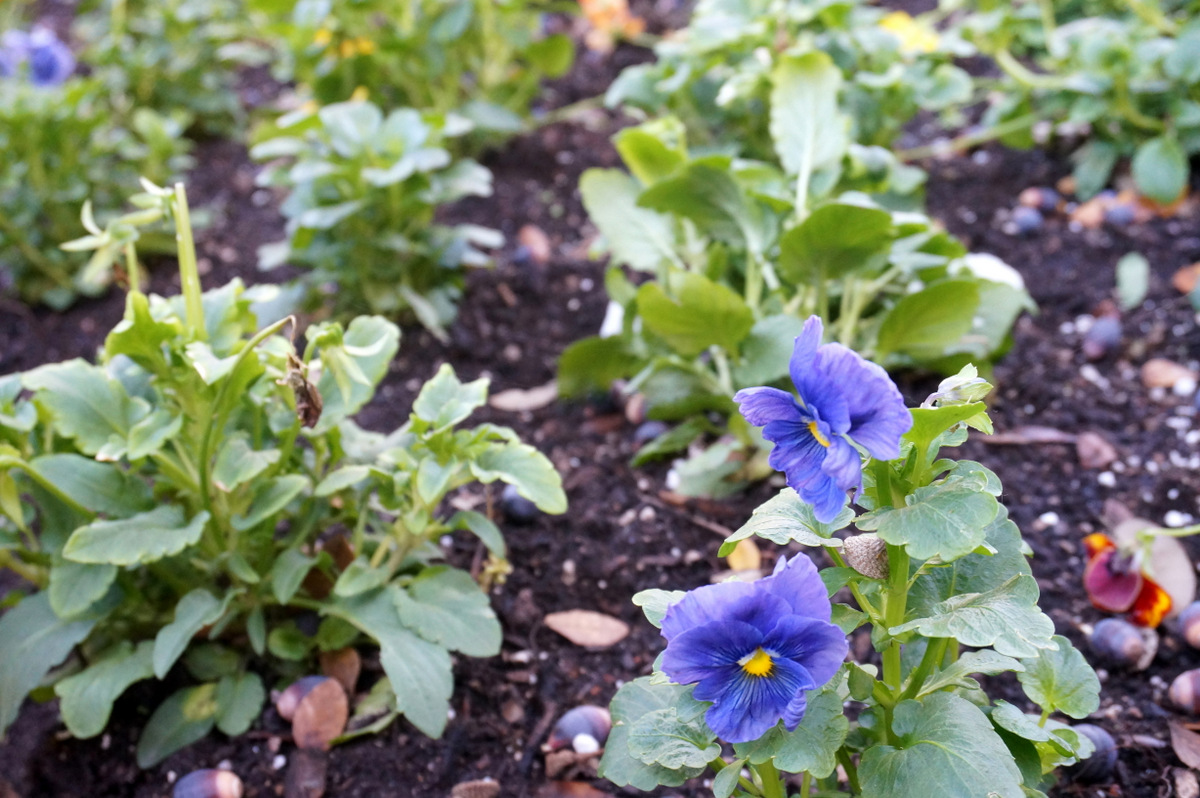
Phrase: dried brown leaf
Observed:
(588, 628)
(1186, 744)
(514, 400)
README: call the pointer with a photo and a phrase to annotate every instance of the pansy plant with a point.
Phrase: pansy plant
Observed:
(755, 684)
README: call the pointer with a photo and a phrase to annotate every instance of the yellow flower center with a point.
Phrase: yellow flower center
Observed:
(758, 664)
(816, 433)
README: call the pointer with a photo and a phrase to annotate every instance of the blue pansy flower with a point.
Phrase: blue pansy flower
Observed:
(843, 398)
(754, 648)
(50, 60)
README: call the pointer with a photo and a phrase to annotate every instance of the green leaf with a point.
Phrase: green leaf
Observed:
(368, 345)
(786, 518)
(806, 125)
(75, 587)
(239, 701)
(208, 662)
(1006, 618)
(86, 698)
(1094, 163)
(947, 747)
(269, 499)
(86, 405)
(185, 717)
(552, 55)
(100, 487)
(947, 519)
(813, 746)
(445, 606)
(707, 193)
(835, 241)
(928, 324)
(32, 641)
(525, 468)
(445, 401)
(237, 463)
(1060, 679)
(419, 670)
(638, 237)
(288, 643)
(655, 603)
(256, 630)
(662, 738)
(672, 441)
(151, 433)
(1160, 169)
(592, 366)
(634, 701)
(481, 527)
(140, 539)
(930, 422)
(140, 336)
(359, 577)
(767, 350)
(342, 478)
(958, 674)
(647, 155)
(433, 479)
(725, 782)
(197, 609)
(701, 314)
(1133, 280)
(287, 572)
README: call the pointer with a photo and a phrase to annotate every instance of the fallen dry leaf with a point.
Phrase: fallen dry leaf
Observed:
(344, 666)
(570, 789)
(745, 556)
(588, 628)
(1094, 450)
(514, 400)
(1030, 434)
(1162, 373)
(536, 241)
(479, 788)
(1186, 784)
(321, 716)
(1186, 744)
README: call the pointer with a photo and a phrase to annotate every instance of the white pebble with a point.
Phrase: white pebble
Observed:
(1184, 386)
(584, 743)
(278, 762)
(1107, 479)
(1175, 519)
(1049, 519)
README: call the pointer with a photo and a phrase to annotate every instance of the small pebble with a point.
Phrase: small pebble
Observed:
(1121, 214)
(1026, 221)
(278, 762)
(649, 431)
(1102, 337)
(517, 508)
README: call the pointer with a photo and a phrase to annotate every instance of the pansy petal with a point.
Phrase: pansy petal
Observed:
(877, 415)
(804, 352)
(799, 456)
(826, 498)
(818, 645)
(761, 406)
(843, 464)
(702, 606)
(794, 713)
(750, 705)
(694, 655)
(796, 581)
(761, 609)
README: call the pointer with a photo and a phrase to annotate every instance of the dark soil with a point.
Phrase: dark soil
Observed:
(622, 534)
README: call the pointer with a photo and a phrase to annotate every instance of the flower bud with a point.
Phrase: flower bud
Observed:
(867, 554)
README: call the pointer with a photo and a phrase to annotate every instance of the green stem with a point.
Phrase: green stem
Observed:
(189, 271)
(566, 113)
(863, 603)
(1023, 75)
(1131, 112)
(29, 573)
(968, 140)
(1048, 23)
(131, 267)
(719, 764)
(1045, 716)
(805, 784)
(895, 607)
(935, 652)
(1154, 17)
(772, 782)
(8, 461)
(847, 763)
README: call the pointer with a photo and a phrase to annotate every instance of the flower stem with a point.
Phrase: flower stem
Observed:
(851, 769)
(772, 782)
(897, 604)
(935, 652)
(968, 140)
(805, 784)
(189, 272)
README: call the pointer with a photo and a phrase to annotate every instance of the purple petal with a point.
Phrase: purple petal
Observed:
(800, 456)
(796, 581)
(696, 654)
(794, 713)
(761, 406)
(804, 351)
(818, 645)
(843, 464)
(877, 415)
(750, 705)
(703, 606)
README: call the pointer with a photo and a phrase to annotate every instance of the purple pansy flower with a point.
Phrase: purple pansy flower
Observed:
(50, 60)
(842, 398)
(754, 648)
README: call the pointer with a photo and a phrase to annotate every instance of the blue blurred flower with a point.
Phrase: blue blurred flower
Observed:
(50, 60)
(754, 649)
(843, 398)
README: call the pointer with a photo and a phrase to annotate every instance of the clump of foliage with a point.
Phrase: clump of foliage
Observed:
(364, 189)
(176, 57)
(740, 251)
(940, 579)
(62, 142)
(717, 75)
(481, 59)
(189, 501)
(1126, 73)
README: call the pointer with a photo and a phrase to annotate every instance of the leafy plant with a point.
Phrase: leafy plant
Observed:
(59, 145)
(739, 252)
(1125, 73)
(719, 74)
(187, 503)
(939, 577)
(364, 190)
(179, 56)
(482, 59)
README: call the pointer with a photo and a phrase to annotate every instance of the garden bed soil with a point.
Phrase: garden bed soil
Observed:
(622, 534)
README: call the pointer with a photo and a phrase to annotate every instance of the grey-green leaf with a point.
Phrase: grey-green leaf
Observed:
(445, 401)
(75, 587)
(806, 125)
(197, 609)
(86, 698)
(655, 603)
(632, 702)
(947, 747)
(445, 606)
(140, 539)
(239, 701)
(638, 237)
(526, 469)
(786, 518)
(86, 404)
(958, 674)
(269, 498)
(661, 738)
(702, 313)
(813, 746)
(1060, 679)
(948, 519)
(185, 717)
(100, 487)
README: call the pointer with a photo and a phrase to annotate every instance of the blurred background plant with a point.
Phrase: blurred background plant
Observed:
(364, 189)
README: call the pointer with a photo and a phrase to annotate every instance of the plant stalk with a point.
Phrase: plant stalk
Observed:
(189, 271)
